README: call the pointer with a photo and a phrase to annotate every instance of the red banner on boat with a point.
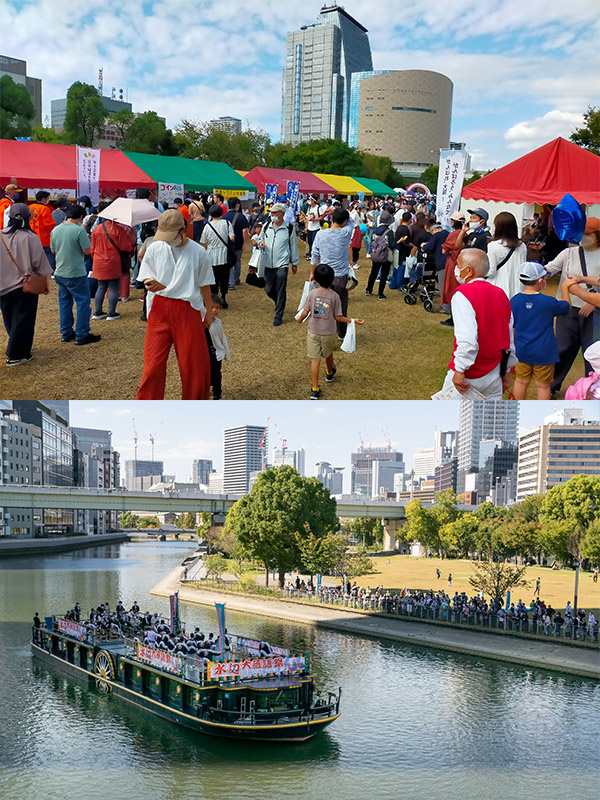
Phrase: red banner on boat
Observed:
(71, 628)
(255, 667)
(159, 658)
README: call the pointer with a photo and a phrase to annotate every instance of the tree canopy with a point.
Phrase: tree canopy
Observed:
(208, 141)
(85, 117)
(588, 136)
(16, 109)
(495, 578)
(147, 133)
(280, 512)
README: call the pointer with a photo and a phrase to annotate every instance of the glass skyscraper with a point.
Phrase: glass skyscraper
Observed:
(481, 420)
(317, 77)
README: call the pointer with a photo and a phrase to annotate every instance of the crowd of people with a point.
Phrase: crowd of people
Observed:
(491, 282)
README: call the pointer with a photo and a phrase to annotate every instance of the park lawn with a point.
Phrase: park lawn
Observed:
(556, 586)
(402, 351)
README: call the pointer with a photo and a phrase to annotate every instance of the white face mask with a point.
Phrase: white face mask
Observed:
(475, 225)
(457, 275)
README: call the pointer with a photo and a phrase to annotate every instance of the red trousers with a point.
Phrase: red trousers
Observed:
(175, 322)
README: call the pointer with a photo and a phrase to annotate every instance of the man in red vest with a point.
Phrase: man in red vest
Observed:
(483, 327)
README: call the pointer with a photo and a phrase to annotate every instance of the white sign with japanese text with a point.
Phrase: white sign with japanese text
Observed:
(450, 183)
(88, 173)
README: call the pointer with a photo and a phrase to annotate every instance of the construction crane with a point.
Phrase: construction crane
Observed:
(261, 445)
(135, 442)
(388, 438)
(152, 440)
(281, 439)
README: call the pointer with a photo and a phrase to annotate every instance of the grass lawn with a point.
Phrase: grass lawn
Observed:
(556, 586)
(402, 351)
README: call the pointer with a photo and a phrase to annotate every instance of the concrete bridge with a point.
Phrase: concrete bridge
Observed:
(120, 500)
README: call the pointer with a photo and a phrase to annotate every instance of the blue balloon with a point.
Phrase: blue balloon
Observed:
(568, 218)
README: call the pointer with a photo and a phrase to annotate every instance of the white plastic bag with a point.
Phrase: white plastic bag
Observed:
(305, 292)
(409, 264)
(349, 343)
(255, 258)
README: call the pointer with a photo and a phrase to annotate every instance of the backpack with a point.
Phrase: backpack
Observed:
(380, 251)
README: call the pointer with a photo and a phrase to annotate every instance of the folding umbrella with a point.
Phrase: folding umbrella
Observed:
(130, 211)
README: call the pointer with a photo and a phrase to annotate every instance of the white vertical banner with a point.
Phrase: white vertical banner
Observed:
(88, 174)
(450, 183)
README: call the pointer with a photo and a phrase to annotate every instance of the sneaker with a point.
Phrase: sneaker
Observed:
(101, 315)
(277, 322)
(89, 339)
(330, 376)
(124, 299)
(368, 293)
(381, 297)
(448, 322)
(68, 337)
(17, 362)
(110, 317)
(315, 394)
(224, 303)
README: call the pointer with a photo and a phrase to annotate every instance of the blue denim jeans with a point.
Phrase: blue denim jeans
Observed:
(74, 290)
(112, 286)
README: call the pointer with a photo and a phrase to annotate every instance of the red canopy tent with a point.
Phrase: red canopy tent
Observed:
(309, 183)
(543, 176)
(37, 164)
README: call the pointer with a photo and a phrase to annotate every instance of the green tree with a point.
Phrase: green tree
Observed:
(321, 554)
(16, 109)
(570, 510)
(281, 507)
(129, 520)
(429, 177)
(148, 133)
(381, 168)
(46, 133)
(590, 546)
(149, 522)
(495, 578)
(215, 566)
(368, 530)
(423, 527)
(208, 141)
(460, 535)
(122, 121)
(589, 135)
(323, 155)
(353, 565)
(85, 117)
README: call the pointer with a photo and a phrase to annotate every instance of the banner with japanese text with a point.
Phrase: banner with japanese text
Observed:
(450, 183)
(239, 193)
(271, 190)
(88, 174)
(292, 193)
(71, 628)
(167, 192)
(159, 658)
(255, 667)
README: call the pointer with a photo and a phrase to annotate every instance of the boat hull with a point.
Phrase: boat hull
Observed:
(280, 732)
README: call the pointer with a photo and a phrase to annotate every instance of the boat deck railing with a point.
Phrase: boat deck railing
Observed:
(193, 668)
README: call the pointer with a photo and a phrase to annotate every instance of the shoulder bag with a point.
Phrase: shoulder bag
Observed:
(124, 255)
(231, 256)
(511, 250)
(32, 283)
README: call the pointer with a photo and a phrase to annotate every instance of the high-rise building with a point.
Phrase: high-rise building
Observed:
(479, 420)
(244, 448)
(16, 69)
(60, 406)
(201, 469)
(293, 458)
(496, 460)
(404, 115)
(383, 474)
(229, 124)
(140, 475)
(444, 447)
(21, 442)
(552, 453)
(445, 476)
(98, 467)
(317, 77)
(362, 467)
(423, 463)
(331, 477)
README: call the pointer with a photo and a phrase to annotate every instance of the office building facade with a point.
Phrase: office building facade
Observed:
(98, 467)
(16, 69)
(140, 475)
(243, 450)
(481, 420)
(404, 115)
(20, 465)
(362, 467)
(423, 463)
(550, 454)
(201, 470)
(317, 78)
(293, 458)
(444, 447)
(231, 125)
(331, 477)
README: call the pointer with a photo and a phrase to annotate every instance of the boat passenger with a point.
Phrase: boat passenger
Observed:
(265, 650)
(36, 620)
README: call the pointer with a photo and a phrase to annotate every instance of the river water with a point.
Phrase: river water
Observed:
(416, 723)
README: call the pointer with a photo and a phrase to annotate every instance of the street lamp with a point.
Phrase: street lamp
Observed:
(576, 587)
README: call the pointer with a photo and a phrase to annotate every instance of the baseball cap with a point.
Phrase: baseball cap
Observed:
(458, 216)
(170, 223)
(12, 187)
(278, 207)
(282, 198)
(532, 271)
(479, 212)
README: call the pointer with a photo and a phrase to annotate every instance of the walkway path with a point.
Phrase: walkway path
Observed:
(549, 655)
(59, 544)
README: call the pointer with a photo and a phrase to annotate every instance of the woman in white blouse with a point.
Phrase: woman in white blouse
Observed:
(506, 253)
(214, 237)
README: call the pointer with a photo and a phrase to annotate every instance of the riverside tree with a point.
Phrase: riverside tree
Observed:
(570, 512)
(430, 526)
(281, 510)
(495, 578)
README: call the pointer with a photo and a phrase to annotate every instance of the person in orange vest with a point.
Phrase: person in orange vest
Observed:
(11, 192)
(181, 206)
(42, 222)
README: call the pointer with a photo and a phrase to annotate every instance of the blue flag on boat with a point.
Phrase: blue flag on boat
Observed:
(221, 620)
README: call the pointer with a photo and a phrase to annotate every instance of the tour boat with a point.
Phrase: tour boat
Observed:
(239, 695)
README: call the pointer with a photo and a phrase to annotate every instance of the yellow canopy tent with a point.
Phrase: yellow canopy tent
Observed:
(343, 185)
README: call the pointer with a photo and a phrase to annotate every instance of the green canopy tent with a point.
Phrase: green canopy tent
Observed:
(377, 187)
(196, 175)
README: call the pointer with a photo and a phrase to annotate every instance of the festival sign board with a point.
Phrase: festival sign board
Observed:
(255, 667)
(242, 195)
(167, 192)
(70, 194)
(271, 192)
(252, 647)
(450, 182)
(293, 192)
(88, 173)
(71, 628)
(159, 658)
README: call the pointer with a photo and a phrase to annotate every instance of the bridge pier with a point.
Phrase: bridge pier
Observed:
(390, 528)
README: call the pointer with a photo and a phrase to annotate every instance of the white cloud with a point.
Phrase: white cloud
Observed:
(533, 133)
(121, 412)
(92, 410)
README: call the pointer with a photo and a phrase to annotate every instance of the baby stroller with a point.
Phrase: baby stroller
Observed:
(422, 276)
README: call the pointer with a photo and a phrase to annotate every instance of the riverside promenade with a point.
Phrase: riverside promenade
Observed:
(533, 653)
(15, 548)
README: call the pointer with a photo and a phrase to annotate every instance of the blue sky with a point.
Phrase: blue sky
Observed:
(523, 70)
(184, 431)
